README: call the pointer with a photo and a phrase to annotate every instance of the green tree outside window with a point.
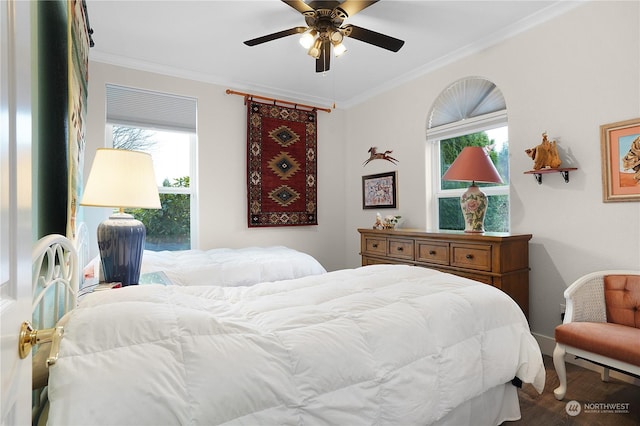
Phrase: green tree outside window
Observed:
(450, 214)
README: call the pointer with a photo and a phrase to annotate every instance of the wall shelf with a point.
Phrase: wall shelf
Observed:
(563, 171)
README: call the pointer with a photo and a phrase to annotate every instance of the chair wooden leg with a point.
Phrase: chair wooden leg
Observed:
(605, 374)
(561, 371)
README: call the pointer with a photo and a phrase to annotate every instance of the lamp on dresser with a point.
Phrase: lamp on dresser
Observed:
(121, 179)
(473, 165)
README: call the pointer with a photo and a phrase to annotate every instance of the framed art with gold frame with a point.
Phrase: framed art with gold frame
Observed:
(620, 147)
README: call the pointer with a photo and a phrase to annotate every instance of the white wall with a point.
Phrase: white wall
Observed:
(222, 167)
(567, 77)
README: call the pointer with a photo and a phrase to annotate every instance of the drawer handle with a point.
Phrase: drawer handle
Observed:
(469, 256)
(399, 249)
(374, 245)
(432, 252)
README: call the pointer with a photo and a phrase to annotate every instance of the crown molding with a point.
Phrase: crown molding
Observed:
(544, 15)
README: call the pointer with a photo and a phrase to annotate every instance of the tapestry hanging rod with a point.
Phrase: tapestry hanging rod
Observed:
(295, 105)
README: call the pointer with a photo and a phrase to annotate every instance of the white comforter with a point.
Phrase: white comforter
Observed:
(231, 267)
(384, 344)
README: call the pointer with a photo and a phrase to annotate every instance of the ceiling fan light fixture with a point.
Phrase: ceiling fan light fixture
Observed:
(339, 49)
(315, 50)
(325, 29)
(307, 39)
(336, 37)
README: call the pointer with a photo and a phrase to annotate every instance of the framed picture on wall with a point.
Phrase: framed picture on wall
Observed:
(380, 191)
(620, 145)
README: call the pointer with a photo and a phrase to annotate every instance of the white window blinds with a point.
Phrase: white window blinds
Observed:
(144, 108)
(466, 98)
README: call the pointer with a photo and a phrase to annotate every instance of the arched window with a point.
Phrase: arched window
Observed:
(470, 112)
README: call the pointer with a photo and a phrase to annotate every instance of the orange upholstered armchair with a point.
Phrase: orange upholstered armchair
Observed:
(601, 324)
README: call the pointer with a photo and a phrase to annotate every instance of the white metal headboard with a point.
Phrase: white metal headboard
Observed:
(55, 280)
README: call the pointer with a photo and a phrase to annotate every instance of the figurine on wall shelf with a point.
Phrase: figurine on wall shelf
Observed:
(375, 155)
(545, 155)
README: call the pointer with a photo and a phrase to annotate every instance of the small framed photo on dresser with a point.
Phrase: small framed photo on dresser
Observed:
(380, 191)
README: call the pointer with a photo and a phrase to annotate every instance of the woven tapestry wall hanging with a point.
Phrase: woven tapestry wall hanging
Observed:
(281, 166)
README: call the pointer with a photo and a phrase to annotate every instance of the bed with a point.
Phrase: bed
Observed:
(381, 344)
(55, 285)
(222, 266)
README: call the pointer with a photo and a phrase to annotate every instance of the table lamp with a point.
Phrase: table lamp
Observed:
(121, 179)
(473, 165)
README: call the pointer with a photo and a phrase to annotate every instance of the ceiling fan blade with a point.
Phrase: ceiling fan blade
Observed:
(275, 36)
(324, 4)
(351, 7)
(372, 37)
(322, 63)
(299, 5)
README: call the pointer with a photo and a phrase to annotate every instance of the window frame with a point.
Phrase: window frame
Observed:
(460, 128)
(191, 190)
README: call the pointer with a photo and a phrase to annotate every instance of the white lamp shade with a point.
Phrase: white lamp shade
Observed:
(123, 179)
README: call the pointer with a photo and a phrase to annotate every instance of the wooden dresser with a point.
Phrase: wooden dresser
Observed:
(498, 259)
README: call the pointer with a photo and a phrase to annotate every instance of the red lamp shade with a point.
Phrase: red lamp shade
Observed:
(473, 165)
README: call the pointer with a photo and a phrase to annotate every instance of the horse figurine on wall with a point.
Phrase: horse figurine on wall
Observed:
(375, 155)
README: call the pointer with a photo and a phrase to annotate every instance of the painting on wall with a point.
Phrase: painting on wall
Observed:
(281, 165)
(620, 145)
(379, 191)
(64, 38)
(78, 80)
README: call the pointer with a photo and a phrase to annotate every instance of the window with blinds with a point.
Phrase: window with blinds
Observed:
(470, 112)
(164, 125)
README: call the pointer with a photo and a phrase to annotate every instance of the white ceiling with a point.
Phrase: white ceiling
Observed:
(203, 40)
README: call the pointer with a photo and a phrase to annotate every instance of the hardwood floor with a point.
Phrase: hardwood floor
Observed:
(585, 387)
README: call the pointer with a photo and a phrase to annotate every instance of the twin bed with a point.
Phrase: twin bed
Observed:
(382, 344)
(222, 266)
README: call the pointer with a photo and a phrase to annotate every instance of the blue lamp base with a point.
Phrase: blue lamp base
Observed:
(121, 244)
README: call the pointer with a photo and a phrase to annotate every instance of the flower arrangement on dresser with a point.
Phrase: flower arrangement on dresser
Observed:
(389, 221)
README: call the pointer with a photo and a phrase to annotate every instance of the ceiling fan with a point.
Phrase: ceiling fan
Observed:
(325, 29)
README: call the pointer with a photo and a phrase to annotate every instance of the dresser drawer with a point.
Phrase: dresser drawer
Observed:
(471, 256)
(486, 279)
(400, 248)
(432, 252)
(374, 245)
(375, 261)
